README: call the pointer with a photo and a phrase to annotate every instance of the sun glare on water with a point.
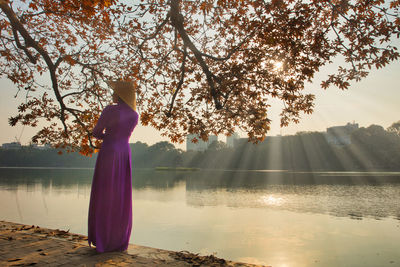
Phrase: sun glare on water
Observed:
(271, 200)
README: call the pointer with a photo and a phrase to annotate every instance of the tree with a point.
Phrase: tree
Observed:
(62, 39)
(203, 67)
(162, 146)
(374, 147)
(395, 128)
(216, 146)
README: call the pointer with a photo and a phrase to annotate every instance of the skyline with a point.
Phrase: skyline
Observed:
(374, 100)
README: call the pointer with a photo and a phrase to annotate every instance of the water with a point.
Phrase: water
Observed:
(275, 218)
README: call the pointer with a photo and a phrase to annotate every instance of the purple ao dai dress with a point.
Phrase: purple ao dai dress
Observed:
(110, 208)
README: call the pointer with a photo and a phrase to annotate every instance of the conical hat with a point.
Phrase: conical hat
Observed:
(125, 90)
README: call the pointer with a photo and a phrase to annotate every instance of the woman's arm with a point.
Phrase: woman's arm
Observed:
(98, 130)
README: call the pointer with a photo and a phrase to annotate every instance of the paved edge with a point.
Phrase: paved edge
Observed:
(30, 245)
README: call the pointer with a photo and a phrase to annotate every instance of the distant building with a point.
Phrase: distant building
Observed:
(230, 140)
(200, 145)
(340, 135)
(12, 145)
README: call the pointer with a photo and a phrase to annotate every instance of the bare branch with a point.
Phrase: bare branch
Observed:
(158, 29)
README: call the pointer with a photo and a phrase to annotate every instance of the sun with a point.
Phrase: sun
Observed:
(278, 65)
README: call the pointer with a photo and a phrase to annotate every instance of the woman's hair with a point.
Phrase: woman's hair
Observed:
(118, 98)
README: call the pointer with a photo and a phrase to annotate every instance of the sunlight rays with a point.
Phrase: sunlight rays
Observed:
(274, 158)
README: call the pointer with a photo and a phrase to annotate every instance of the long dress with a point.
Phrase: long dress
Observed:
(110, 208)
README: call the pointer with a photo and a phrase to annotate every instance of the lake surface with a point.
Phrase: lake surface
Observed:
(274, 218)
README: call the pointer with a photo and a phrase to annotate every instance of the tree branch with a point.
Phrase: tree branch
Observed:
(235, 49)
(30, 42)
(32, 59)
(180, 83)
(177, 22)
(158, 29)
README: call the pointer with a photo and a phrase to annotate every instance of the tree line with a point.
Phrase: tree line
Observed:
(371, 148)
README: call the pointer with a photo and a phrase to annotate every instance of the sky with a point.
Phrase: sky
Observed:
(374, 100)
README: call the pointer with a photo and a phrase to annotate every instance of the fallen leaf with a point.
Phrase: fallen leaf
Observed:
(14, 259)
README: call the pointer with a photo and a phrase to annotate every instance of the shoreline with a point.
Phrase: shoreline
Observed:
(190, 169)
(28, 245)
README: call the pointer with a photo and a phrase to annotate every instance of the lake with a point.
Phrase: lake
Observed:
(276, 218)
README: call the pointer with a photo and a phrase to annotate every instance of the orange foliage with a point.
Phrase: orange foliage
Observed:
(204, 67)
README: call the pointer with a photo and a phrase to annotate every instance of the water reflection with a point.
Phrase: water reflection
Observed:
(272, 218)
(343, 194)
(45, 178)
(354, 195)
(272, 200)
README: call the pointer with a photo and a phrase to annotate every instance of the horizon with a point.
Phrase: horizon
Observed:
(242, 137)
(218, 137)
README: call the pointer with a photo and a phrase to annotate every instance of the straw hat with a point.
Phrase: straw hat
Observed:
(125, 90)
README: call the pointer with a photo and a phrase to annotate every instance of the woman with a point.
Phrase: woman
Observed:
(110, 208)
